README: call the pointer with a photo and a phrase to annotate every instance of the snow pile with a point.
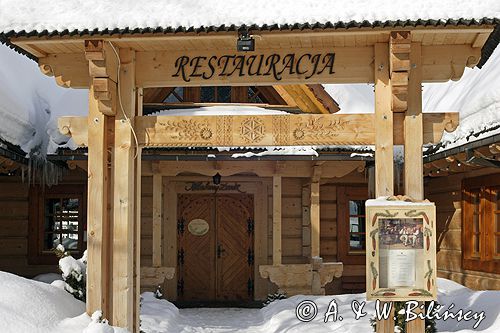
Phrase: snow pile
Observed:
(30, 306)
(279, 316)
(281, 151)
(220, 110)
(30, 104)
(48, 277)
(476, 96)
(74, 14)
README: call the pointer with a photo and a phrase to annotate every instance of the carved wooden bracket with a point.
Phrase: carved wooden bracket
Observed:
(305, 279)
(399, 62)
(68, 70)
(153, 276)
(103, 71)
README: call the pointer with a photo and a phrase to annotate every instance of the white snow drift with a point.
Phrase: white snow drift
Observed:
(28, 306)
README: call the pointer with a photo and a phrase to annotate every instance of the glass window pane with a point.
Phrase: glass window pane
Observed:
(51, 241)
(52, 206)
(357, 242)
(174, 98)
(223, 94)
(61, 216)
(207, 95)
(253, 97)
(356, 207)
(50, 224)
(71, 204)
(70, 241)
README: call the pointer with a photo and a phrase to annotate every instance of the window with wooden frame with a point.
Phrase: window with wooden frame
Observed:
(57, 216)
(216, 94)
(351, 235)
(481, 223)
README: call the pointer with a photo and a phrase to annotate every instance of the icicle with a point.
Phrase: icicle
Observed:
(42, 172)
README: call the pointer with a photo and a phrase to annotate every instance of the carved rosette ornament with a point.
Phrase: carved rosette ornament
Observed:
(252, 130)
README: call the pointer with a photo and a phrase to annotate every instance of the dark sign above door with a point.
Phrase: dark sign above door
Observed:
(209, 186)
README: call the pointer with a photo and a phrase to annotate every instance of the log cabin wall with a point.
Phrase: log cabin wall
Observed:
(15, 210)
(295, 232)
(14, 219)
(446, 192)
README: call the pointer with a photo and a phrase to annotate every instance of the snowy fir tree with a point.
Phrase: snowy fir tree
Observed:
(74, 272)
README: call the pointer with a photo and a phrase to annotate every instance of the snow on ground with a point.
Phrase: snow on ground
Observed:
(28, 306)
(48, 277)
(161, 316)
(33, 306)
(74, 14)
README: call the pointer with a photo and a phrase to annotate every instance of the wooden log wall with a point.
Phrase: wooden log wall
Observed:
(14, 216)
(446, 193)
(14, 226)
(14, 208)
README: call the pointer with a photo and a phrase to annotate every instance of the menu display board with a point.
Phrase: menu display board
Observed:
(403, 265)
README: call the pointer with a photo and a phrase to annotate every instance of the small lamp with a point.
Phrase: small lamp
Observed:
(216, 178)
(245, 42)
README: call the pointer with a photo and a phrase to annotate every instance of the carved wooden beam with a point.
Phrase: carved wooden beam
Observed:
(265, 130)
(103, 71)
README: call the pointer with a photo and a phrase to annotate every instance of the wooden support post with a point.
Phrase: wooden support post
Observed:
(98, 274)
(100, 140)
(276, 220)
(157, 219)
(315, 209)
(384, 151)
(125, 195)
(306, 221)
(413, 136)
(413, 129)
(138, 219)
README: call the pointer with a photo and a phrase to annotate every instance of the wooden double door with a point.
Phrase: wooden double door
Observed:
(215, 257)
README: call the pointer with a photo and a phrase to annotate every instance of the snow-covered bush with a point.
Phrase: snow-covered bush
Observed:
(74, 272)
(274, 297)
(158, 292)
(400, 323)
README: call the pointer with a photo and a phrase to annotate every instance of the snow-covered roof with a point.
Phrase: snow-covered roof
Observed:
(30, 104)
(74, 16)
(476, 96)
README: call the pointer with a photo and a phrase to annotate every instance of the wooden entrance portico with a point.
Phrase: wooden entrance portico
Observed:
(116, 69)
